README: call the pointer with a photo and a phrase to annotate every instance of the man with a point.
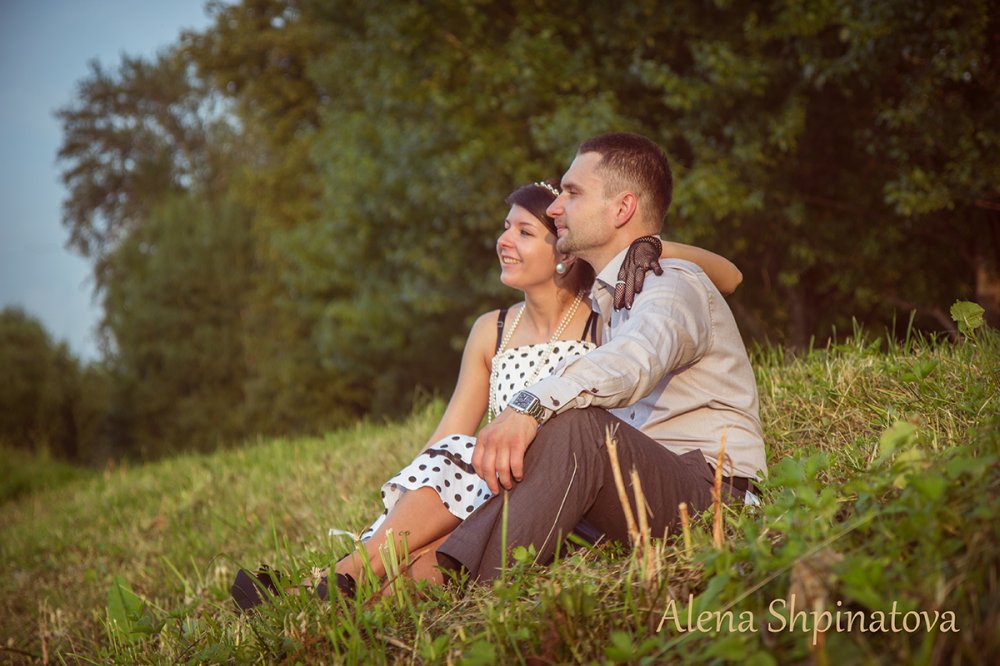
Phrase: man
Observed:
(672, 369)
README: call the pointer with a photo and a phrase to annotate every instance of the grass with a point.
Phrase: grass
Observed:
(22, 473)
(884, 490)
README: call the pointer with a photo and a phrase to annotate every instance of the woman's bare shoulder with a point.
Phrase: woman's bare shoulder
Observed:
(484, 329)
(488, 320)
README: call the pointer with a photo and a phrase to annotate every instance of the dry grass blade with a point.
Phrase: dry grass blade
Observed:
(717, 536)
(612, 445)
(555, 520)
(649, 562)
(397, 643)
(639, 534)
(685, 526)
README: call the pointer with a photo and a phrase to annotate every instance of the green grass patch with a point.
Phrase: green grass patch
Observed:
(883, 501)
(23, 473)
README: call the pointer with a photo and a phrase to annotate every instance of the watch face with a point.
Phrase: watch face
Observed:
(523, 400)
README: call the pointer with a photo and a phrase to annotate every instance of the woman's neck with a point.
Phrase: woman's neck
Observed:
(545, 308)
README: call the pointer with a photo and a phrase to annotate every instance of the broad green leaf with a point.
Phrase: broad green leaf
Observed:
(920, 371)
(932, 486)
(728, 647)
(906, 463)
(968, 316)
(621, 649)
(896, 436)
(760, 659)
(480, 653)
(124, 609)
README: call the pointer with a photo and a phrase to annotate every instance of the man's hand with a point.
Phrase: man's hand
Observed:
(500, 449)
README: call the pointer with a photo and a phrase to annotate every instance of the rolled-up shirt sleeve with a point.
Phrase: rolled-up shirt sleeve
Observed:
(668, 328)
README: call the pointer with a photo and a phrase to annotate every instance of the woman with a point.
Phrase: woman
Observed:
(506, 351)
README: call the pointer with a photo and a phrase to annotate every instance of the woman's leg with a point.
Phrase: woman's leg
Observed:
(419, 518)
(425, 563)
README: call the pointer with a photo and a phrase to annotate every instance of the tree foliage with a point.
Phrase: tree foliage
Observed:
(174, 314)
(131, 138)
(259, 53)
(842, 153)
(48, 401)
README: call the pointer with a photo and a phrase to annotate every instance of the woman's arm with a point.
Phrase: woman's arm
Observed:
(722, 272)
(472, 391)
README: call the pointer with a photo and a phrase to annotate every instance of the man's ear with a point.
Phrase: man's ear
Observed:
(627, 205)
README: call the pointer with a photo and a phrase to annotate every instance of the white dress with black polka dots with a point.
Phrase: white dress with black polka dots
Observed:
(447, 465)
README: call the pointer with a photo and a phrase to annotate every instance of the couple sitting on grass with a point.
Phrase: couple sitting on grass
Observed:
(616, 331)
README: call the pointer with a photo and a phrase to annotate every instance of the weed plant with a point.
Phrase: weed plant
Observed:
(883, 497)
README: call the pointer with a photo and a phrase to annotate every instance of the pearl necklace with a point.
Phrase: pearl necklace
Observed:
(495, 369)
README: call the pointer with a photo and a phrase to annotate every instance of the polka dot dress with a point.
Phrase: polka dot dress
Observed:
(447, 465)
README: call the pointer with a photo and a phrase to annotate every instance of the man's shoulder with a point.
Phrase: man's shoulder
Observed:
(689, 273)
(681, 268)
(678, 276)
(678, 289)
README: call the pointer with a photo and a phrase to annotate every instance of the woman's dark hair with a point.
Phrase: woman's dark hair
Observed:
(536, 198)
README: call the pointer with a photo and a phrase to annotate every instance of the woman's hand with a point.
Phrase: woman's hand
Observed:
(643, 255)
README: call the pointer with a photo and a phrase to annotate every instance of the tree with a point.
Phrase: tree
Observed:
(48, 403)
(847, 143)
(174, 307)
(151, 154)
(132, 138)
(842, 153)
(829, 148)
(258, 54)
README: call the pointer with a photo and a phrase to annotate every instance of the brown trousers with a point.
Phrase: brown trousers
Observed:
(568, 479)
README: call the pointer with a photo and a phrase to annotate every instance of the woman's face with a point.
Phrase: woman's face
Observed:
(527, 250)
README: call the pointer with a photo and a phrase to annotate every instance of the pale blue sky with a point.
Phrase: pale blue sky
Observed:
(45, 46)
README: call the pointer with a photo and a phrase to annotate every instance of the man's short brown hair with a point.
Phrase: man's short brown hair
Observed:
(633, 162)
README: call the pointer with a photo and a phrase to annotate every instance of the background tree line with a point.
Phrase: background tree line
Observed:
(291, 215)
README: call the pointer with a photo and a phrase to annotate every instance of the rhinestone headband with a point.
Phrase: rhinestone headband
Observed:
(554, 191)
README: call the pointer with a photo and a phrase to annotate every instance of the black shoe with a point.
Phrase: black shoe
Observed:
(345, 585)
(246, 588)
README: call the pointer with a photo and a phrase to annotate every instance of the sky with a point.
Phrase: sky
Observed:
(45, 48)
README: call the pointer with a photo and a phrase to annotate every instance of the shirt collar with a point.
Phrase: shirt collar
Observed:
(605, 283)
(609, 276)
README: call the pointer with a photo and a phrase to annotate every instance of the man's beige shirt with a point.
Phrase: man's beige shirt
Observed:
(674, 366)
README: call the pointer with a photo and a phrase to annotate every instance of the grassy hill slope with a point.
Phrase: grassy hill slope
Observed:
(883, 501)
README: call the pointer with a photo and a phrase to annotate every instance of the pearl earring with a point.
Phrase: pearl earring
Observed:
(561, 268)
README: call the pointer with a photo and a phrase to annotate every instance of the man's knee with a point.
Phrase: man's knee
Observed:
(583, 422)
(580, 431)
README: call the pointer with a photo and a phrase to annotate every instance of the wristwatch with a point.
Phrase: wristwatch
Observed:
(528, 403)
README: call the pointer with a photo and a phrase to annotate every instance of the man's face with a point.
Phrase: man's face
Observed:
(584, 217)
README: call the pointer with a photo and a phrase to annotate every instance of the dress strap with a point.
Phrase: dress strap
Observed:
(500, 320)
(590, 328)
